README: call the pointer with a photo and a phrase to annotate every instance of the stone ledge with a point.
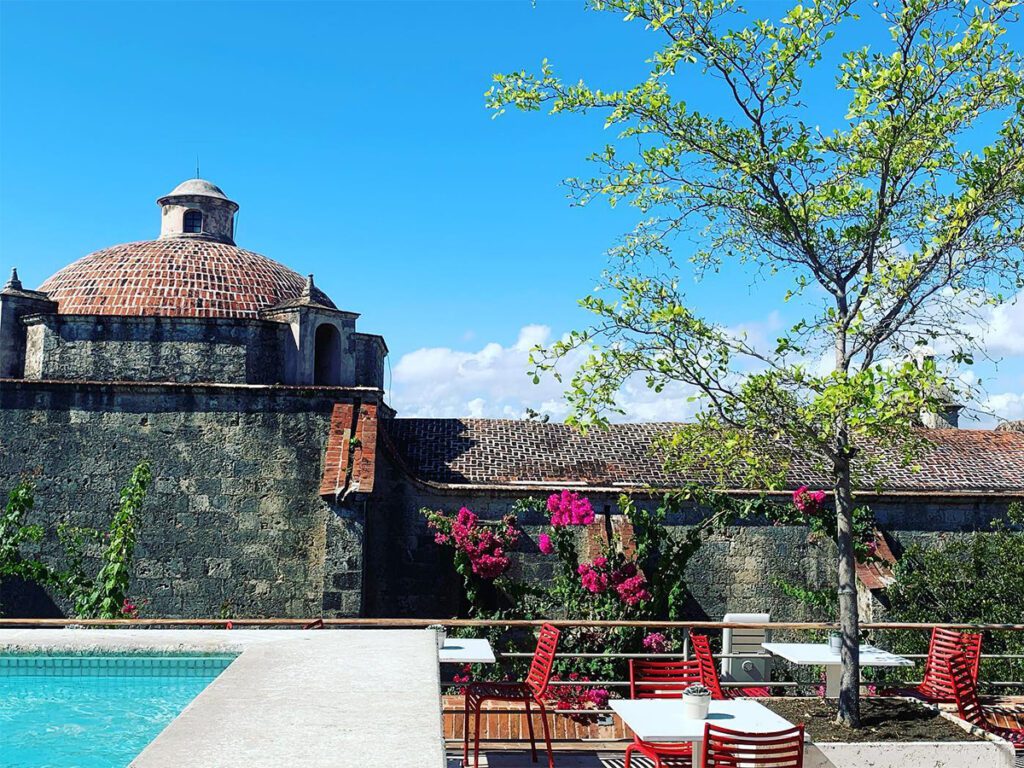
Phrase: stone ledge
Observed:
(288, 389)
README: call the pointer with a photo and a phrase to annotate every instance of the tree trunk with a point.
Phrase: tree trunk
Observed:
(849, 618)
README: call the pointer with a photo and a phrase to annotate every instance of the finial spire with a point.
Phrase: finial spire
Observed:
(197, 166)
(13, 283)
(307, 289)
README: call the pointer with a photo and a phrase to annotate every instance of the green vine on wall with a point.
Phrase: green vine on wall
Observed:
(103, 596)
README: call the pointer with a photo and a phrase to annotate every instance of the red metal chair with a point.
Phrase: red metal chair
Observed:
(530, 691)
(727, 748)
(965, 691)
(661, 680)
(709, 673)
(936, 687)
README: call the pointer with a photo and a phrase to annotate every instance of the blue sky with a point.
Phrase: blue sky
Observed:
(354, 137)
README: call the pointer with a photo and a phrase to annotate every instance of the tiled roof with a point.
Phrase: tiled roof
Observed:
(500, 452)
(177, 277)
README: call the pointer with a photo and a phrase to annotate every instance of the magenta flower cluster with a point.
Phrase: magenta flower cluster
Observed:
(569, 508)
(576, 697)
(807, 501)
(655, 642)
(544, 544)
(594, 576)
(464, 678)
(628, 581)
(485, 547)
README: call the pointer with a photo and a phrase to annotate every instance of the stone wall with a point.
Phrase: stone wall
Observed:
(101, 348)
(369, 352)
(233, 524)
(15, 305)
(734, 571)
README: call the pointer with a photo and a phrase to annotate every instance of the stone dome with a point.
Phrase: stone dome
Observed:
(175, 277)
(200, 187)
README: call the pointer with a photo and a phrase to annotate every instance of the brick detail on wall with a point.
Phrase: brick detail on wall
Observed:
(365, 458)
(624, 530)
(595, 539)
(336, 457)
(349, 465)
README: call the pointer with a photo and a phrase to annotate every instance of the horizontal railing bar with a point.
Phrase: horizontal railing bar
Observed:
(666, 656)
(621, 683)
(748, 684)
(421, 623)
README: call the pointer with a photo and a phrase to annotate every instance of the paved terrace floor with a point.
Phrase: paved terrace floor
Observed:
(316, 699)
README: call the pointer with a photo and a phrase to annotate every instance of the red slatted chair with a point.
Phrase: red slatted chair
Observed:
(661, 680)
(531, 691)
(726, 748)
(936, 687)
(965, 691)
(709, 673)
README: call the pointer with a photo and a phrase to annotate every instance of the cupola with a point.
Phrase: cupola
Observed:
(197, 209)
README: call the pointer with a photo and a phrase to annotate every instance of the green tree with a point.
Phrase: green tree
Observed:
(891, 225)
(976, 578)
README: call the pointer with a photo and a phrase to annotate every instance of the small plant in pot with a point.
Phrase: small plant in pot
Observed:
(696, 700)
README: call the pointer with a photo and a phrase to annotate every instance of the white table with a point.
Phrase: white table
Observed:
(465, 650)
(821, 655)
(662, 720)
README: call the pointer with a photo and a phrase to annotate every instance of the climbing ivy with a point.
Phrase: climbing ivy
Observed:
(103, 596)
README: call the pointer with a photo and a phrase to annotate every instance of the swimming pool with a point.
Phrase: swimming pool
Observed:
(93, 711)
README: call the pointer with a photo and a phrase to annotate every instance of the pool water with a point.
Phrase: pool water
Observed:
(93, 711)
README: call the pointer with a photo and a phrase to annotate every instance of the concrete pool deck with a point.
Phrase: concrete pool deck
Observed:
(334, 698)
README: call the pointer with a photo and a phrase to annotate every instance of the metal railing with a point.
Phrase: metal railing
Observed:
(409, 623)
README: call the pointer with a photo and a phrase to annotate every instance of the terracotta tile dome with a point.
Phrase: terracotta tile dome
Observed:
(176, 277)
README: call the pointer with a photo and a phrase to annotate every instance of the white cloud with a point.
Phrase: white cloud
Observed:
(492, 382)
(761, 335)
(1007, 406)
(1005, 332)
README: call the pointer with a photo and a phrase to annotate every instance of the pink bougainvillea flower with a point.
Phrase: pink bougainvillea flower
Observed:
(633, 590)
(569, 508)
(596, 698)
(808, 501)
(485, 546)
(655, 642)
(544, 544)
(593, 579)
(579, 696)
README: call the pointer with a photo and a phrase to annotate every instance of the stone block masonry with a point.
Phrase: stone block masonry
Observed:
(155, 348)
(735, 570)
(233, 525)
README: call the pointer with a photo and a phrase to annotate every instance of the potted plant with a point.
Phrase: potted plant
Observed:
(696, 700)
